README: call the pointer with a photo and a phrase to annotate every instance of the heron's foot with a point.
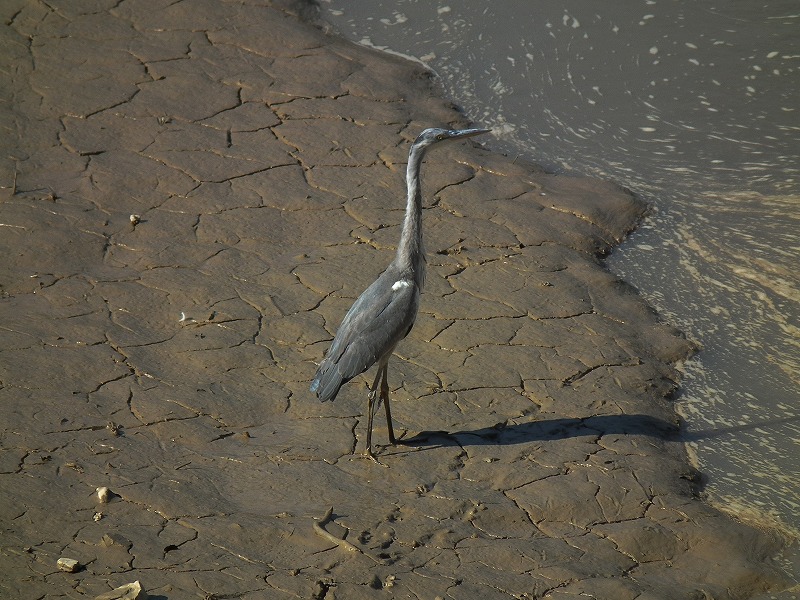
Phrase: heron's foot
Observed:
(368, 454)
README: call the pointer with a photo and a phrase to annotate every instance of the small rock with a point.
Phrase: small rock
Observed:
(135, 219)
(104, 494)
(129, 591)
(97, 516)
(69, 565)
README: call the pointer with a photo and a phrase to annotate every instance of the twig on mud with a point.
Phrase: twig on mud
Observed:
(320, 531)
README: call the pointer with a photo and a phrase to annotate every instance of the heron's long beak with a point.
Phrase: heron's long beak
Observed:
(465, 133)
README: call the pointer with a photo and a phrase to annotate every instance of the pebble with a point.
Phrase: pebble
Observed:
(129, 591)
(69, 565)
(104, 494)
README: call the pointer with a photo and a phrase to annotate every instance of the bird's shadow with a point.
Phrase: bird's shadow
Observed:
(551, 429)
(562, 428)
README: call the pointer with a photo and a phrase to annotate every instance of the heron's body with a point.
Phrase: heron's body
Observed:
(385, 312)
(382, 316)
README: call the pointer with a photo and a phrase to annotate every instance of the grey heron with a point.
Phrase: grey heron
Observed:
(385, 312)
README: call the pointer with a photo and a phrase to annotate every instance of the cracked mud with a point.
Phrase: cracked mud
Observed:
(169, 359)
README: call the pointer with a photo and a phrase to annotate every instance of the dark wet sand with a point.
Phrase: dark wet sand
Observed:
(170, 360)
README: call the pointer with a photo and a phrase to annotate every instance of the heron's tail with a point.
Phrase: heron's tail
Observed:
(326, 383)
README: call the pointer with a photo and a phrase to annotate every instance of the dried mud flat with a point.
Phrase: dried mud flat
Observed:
(168, 357)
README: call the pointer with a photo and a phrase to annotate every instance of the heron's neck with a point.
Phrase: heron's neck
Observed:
(410, 251)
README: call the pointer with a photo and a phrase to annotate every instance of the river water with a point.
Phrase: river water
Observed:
(694, 106)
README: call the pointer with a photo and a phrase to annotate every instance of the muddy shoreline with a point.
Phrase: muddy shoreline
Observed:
(167, 357)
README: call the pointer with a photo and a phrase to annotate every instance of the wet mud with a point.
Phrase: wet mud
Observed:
(192, 196)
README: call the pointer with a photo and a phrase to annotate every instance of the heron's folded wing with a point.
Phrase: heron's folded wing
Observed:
(378, 336)
(378, 320)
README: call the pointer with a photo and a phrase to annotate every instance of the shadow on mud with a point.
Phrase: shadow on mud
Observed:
(552, 429)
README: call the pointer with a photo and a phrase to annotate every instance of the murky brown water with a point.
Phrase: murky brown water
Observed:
(694, 107)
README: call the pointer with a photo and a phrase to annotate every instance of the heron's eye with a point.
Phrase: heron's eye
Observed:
(440, 137)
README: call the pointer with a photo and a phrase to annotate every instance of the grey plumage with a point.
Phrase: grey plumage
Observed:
(385, 312)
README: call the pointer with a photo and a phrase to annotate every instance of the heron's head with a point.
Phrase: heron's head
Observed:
(435, 135)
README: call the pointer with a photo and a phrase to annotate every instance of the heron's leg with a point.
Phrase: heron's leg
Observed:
(385, 396)
(371, 406)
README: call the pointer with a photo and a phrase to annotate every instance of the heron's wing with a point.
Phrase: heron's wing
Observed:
(381, 317)
(369, 310)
